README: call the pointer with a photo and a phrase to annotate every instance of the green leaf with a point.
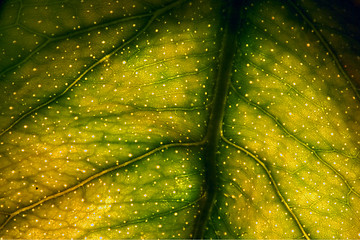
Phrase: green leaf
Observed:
(179, 119)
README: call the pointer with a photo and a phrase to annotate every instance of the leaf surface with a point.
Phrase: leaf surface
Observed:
(179, 119)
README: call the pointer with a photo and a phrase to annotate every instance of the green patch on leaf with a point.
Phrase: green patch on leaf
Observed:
(179, 119)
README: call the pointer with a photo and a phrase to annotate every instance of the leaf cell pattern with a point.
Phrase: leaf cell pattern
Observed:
(179, 119)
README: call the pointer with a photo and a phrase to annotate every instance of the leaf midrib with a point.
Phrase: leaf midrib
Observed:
(217, 110)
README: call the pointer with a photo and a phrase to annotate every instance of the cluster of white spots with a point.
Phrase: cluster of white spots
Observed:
(93, 90)
(288, 116)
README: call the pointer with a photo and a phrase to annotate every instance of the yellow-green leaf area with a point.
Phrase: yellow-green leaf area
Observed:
(149, 119)
(290, 142)
(103, 118)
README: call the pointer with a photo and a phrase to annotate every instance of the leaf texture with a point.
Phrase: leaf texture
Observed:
(179, 119)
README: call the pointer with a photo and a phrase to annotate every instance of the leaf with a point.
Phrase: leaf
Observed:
(179, 119)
